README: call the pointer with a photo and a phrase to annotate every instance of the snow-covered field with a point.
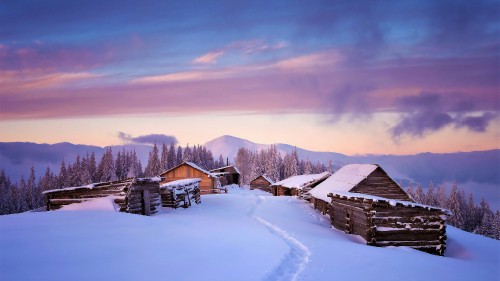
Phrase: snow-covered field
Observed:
(243, 235)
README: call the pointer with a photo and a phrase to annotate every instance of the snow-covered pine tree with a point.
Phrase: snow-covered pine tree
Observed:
(220, 163)
(441, 198)
(330, 166)
(164, 157)
(455, 205)
(307, 167)
(92, 167)
(106, 169)
(179, 156)
(244, 165)
(419, 194)
(171, 161)
(153, 168)
(31, 191)
(63, 176)
(186, 156)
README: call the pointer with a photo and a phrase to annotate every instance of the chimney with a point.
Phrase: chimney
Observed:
(227, 161)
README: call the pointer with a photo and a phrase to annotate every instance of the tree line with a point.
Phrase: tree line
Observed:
(466, 215)
(25, 195)
(252, 164)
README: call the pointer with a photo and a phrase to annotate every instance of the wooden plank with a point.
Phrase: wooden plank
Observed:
(146, 202)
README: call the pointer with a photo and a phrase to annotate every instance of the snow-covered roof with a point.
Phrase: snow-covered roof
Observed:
(103, 184)
(180, 183)
(194, 166)
(301, 181)
(225, 167)
(345, 179)
(88, 186)
(265, 177)
(392, 202)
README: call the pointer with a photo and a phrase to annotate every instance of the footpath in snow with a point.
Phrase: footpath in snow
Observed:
(243, 235)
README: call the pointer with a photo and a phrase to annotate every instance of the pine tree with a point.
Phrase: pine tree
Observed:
(153, 168)
(179, 156)
(31, 191)
(430, 197)
(455, 205)
(308, 167)
(164, 158)
(21, 196)
(187, 154)
(220, 163)
(330, 166)
(419, 194)
(171, 161)
(63, 176)
(92, 168)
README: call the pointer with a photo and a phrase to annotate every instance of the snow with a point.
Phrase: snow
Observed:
(230, 166)
(265, 177)
(180, 183)
(343, 180)
(301, 181)
(243, 235)
(88, 186)
(392, 202)
(199, 168)
(97, 204)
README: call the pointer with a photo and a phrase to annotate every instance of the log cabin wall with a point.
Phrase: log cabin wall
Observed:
(59, 198)
(185, 171)
(382, 224)
(143, 198)
(260, 183)
(378, 183)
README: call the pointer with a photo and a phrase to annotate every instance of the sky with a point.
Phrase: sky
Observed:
(364, 77)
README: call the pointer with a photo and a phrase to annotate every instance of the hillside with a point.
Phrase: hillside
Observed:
(243, 235)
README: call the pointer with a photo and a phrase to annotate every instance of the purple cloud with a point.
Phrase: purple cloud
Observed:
(148, 139)
(476, 123)
(429, 112)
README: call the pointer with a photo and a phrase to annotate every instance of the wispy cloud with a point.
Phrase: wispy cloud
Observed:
(208, 58)
(148, 139)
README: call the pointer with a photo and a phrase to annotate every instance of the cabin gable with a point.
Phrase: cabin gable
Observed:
(378, 183)
(185, 171)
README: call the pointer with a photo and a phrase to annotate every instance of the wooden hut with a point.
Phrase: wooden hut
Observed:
(180, 193)
(262, 182)
(134, 195)
(209, 182)
(298, 185)
(362, 199)
(227, 175)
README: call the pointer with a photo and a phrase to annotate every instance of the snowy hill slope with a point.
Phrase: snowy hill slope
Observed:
(243, 235)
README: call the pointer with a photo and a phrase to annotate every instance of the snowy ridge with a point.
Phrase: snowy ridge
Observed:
(343, 180)
(301, 181)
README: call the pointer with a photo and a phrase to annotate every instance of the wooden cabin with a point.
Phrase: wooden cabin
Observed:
(209, 182)
(262, 182)
(362, 199)
(298, 185)
(227, 175)
(134, 195)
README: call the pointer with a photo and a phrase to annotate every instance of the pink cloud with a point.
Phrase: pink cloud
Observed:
(208, 58)
(319, 82)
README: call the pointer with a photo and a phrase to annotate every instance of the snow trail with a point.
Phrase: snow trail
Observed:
(295, 261)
